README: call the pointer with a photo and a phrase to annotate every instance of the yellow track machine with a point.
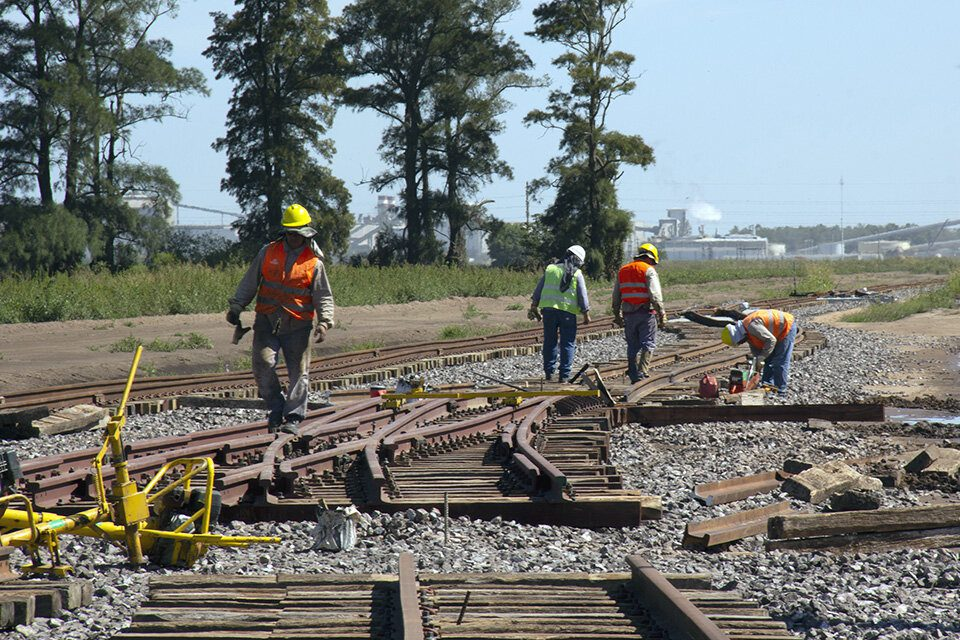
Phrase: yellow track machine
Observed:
(167, 520)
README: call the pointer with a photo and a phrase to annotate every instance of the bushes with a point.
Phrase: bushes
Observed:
(181, 289)
(944, 297)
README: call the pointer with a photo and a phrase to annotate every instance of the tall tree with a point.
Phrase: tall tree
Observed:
(31, 38)
(416, 55)
(80, 75)
(468, 105)
(585, 210)
(285, 77)
(122, 78)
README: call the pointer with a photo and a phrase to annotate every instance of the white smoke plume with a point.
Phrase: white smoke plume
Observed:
(704, 212)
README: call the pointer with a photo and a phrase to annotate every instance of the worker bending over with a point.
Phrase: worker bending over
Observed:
(770, 334)
(638, 308)
(560, 295)
(291, 287)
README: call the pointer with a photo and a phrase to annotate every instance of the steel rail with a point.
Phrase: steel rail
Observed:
(104, 392)
(671, 608)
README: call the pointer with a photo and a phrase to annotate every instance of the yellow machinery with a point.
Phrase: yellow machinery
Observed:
(170, 524)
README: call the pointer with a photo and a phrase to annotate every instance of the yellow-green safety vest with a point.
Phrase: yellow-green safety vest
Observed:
(552, 298)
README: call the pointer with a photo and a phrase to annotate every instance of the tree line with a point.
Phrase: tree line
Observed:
(798, 238)
(79, 75)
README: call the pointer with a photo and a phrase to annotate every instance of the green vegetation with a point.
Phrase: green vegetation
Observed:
(364, 345)
(591, 156)
(130, 343)
(75, 80)
(199, 289)
(516, 306)
(241, 363)
(815, 277)
(945, 297)
(460, 331)
(281, 109)
(472, 312)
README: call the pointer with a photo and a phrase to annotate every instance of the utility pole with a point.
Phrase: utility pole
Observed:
(526, 198)
(843, 249)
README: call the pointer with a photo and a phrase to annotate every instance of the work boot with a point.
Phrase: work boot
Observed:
(548, 377)
(292, 425)
(644, 363)
(274, 421)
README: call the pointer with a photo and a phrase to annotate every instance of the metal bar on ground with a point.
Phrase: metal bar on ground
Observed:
(466, 395)
(733, 489)
(744, 524)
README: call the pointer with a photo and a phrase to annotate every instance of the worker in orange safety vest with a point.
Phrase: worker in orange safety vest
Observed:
(770, 334)
(291, 288)
(638, 308)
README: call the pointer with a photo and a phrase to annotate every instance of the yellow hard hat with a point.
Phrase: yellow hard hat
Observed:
(295, 216)
(647, 249)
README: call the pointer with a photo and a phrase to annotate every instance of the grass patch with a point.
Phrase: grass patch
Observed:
(242, 363)
(516, 306)
(130, 343)
(945, 297)
(364, 345)
(472, 312)
(461, 331)
(193, 341)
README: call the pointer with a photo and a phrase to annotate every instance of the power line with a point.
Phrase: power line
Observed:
(225, 213)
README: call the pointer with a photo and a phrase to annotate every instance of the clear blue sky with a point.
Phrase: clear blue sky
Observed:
(755, 109)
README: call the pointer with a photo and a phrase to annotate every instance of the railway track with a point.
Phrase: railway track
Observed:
(545, 461)
(643, 604)
(330, 372)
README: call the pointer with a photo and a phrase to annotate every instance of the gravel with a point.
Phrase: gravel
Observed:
(901, 595)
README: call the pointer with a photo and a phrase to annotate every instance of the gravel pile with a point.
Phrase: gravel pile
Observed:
(899, 595)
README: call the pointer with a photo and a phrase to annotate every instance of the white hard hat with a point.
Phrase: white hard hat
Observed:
(578, 251)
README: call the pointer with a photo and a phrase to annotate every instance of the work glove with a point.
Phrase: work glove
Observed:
(320, 333)
(586, 317)
(233, 315)
(533, 313)
(618, 320)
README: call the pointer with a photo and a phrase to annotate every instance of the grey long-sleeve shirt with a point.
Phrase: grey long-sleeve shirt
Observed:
(758, 329)
(280, 321)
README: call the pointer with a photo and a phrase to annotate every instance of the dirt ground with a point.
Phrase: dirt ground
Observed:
(54, 353)
(925, 372)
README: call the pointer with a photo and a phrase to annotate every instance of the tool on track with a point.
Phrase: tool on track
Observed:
(744, 380)
(168, 520)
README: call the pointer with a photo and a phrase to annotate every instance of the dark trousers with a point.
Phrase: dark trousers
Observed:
(563, 324)
(640, 330)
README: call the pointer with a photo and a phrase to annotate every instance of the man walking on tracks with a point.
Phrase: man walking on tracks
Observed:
(290, 284)
(638, 308)
(560, 295)
(770, 334)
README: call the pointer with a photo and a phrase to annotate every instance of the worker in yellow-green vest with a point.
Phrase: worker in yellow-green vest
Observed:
(560, 295)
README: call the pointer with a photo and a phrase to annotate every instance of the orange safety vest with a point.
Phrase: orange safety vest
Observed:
(290, 291)
(632, 283)
(777, 322)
